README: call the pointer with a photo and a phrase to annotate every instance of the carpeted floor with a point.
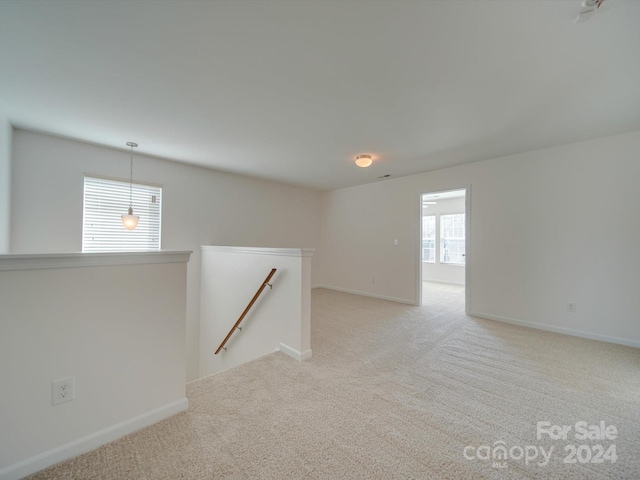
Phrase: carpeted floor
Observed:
(395, 391)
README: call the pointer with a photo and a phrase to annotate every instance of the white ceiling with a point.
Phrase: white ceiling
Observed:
(292, 91)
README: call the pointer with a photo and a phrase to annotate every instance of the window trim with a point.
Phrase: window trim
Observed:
(124, 180)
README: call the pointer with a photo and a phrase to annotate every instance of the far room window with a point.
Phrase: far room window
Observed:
(429, 238)
(105, 200)
(452, 239)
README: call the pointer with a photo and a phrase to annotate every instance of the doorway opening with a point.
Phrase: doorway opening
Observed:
(444, 245)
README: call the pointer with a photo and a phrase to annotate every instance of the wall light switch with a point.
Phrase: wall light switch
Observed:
(395, 242)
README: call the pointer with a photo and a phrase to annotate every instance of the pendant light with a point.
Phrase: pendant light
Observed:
(130, 221)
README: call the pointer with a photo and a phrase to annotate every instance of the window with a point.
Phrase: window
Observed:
(429, 238)
(452, 237)
(105, 200)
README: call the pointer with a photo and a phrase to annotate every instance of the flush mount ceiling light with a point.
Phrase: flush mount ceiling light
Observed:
(130, 221)
(363, 160)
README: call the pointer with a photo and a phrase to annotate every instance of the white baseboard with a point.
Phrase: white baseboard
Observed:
(292, 352)
(94, 440)
(368, 294)
(555, 329)
(460, 284)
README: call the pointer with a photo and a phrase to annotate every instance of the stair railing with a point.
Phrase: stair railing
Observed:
(237, 326)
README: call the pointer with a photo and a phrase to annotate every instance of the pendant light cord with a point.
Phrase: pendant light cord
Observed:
(131, 181)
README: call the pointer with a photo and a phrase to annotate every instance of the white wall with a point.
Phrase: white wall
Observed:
(6, 134)
(548, 226)
(200, 206)
(279, 320)
(443, 272)
(118, 328)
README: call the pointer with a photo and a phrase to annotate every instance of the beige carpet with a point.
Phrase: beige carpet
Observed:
(392, 391)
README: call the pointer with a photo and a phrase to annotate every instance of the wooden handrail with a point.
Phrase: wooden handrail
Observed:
(246, 310)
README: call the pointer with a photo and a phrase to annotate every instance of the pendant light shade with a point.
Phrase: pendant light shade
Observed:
(130, 221)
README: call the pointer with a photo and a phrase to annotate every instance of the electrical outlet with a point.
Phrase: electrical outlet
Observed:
(571, 307)
(63, 390)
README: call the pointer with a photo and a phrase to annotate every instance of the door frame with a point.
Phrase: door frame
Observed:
(468, 261)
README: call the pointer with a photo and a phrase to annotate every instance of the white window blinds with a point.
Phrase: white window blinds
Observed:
(105, 201)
